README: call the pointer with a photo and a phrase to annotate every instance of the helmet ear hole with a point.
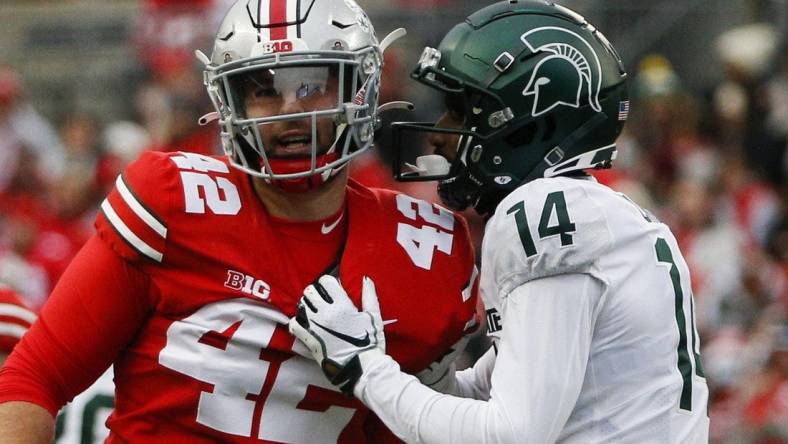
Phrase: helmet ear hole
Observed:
(523, 136)
(537, 131)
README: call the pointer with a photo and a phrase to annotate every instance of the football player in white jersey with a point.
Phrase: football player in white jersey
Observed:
(588, 297)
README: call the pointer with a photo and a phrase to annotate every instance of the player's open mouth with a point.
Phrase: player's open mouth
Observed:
(292, 144)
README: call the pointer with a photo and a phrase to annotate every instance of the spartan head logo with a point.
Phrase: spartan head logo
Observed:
(571, 58)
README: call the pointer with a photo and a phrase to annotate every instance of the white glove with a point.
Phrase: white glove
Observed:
(336, 332)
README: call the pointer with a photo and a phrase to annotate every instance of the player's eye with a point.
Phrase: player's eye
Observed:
(261, 85)
(264, 91)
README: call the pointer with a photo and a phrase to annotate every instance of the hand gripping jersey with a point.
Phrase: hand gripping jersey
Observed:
(644, 379)
(214, 361)
(15, 319)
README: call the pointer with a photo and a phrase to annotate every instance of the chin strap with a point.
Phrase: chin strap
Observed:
(396, 104)
(208, 118)
(391, 38)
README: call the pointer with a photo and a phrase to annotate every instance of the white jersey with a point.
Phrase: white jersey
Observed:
(84, 419)
(644, 380)
(589, 301)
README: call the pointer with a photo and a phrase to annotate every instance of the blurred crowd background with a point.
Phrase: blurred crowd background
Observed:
(87, 85)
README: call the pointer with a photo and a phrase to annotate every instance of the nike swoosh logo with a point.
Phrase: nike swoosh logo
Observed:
(358, 342)
(325, 229)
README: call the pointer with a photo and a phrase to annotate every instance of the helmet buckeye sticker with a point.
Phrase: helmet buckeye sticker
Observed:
(576, 60)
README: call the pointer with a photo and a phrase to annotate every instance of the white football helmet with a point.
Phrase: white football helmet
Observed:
(289, 52)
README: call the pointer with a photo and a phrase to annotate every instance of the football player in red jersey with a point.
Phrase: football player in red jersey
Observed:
(198, 262)
(15, 319)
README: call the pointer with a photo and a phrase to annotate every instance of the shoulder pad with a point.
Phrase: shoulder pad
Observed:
(133, 217)
(544, 228)
(153, 191)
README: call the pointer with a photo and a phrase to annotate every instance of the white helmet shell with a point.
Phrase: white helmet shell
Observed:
(251, 26)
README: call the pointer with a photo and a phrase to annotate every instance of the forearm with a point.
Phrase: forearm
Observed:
(474, 382)
(25, 423)
(417, 413)
(537, 376)
(79, 332)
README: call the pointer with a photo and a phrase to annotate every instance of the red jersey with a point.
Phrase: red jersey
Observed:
(212, 359)
(15, 319)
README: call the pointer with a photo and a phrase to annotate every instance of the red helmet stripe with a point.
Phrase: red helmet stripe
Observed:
(277, 14)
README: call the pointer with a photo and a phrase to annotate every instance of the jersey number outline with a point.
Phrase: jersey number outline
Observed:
(194, 178)
(665, 256)
(420, 243)
(225, 344)
(555, 202)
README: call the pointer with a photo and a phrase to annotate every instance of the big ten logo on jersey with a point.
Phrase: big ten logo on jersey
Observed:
(201, 189)
(247, 284)
(436, 230)
(257, 381)
(276, 46)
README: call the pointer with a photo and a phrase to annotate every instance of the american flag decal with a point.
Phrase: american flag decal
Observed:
(623, 110)
(358, 99)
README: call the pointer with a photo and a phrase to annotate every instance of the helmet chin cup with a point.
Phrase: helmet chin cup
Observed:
(459, 190)
(305, 183)
(449, 192)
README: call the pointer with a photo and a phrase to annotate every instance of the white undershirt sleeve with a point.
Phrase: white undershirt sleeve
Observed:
(537, 376)
(474, 382)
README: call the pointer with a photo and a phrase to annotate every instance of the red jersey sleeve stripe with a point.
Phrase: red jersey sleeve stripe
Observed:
(139, 209)
(12, 330)
(125, 232)
(15, 311)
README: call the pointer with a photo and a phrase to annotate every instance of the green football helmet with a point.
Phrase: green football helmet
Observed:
(542, 92)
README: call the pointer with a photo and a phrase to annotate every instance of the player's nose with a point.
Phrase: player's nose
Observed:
(291, 104)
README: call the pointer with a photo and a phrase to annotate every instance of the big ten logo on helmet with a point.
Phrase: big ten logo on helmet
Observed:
(247, 284)
(276, 46)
